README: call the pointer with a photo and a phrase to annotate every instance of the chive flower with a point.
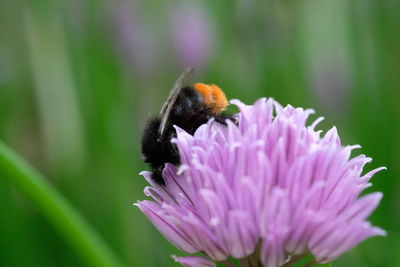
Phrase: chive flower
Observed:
(265, 191)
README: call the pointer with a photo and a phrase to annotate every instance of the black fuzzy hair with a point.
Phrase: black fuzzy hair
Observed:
(188, 113)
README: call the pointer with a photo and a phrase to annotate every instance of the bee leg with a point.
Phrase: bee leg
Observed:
(157, 176)
(221, 119)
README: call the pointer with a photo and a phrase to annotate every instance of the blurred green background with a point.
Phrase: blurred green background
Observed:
(78, 79)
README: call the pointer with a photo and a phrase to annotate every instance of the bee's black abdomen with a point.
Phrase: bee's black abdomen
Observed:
(158, 150)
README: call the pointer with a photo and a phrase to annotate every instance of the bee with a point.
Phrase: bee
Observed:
(187, 107)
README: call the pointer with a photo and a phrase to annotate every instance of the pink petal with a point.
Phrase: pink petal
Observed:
(194, 261)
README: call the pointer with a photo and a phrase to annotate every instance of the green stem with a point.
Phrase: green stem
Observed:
(56, 209)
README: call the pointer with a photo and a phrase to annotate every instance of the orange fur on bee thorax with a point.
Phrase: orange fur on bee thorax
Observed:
(213, 96)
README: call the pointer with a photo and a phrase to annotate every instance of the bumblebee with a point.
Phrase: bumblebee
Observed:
(187, 107)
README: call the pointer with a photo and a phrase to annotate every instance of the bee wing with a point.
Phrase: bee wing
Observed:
(167, 107)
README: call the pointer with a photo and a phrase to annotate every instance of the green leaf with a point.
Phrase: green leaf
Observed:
(59, 212)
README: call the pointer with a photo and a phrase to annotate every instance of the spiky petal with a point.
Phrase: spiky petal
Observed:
(269, 187)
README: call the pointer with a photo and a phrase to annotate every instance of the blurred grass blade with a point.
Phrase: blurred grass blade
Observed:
(55, 89)
(56, 209)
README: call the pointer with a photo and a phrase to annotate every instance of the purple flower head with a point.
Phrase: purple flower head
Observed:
(133, 42)
(263, 191)
(192, 34)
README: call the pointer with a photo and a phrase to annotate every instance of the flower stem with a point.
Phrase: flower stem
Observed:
(56, 209)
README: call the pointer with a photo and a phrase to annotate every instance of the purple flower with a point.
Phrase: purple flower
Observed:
(194, 261)
(133, 42)
(263, 191)
(192, 34)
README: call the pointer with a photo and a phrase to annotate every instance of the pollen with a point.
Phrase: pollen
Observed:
(213, 96)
